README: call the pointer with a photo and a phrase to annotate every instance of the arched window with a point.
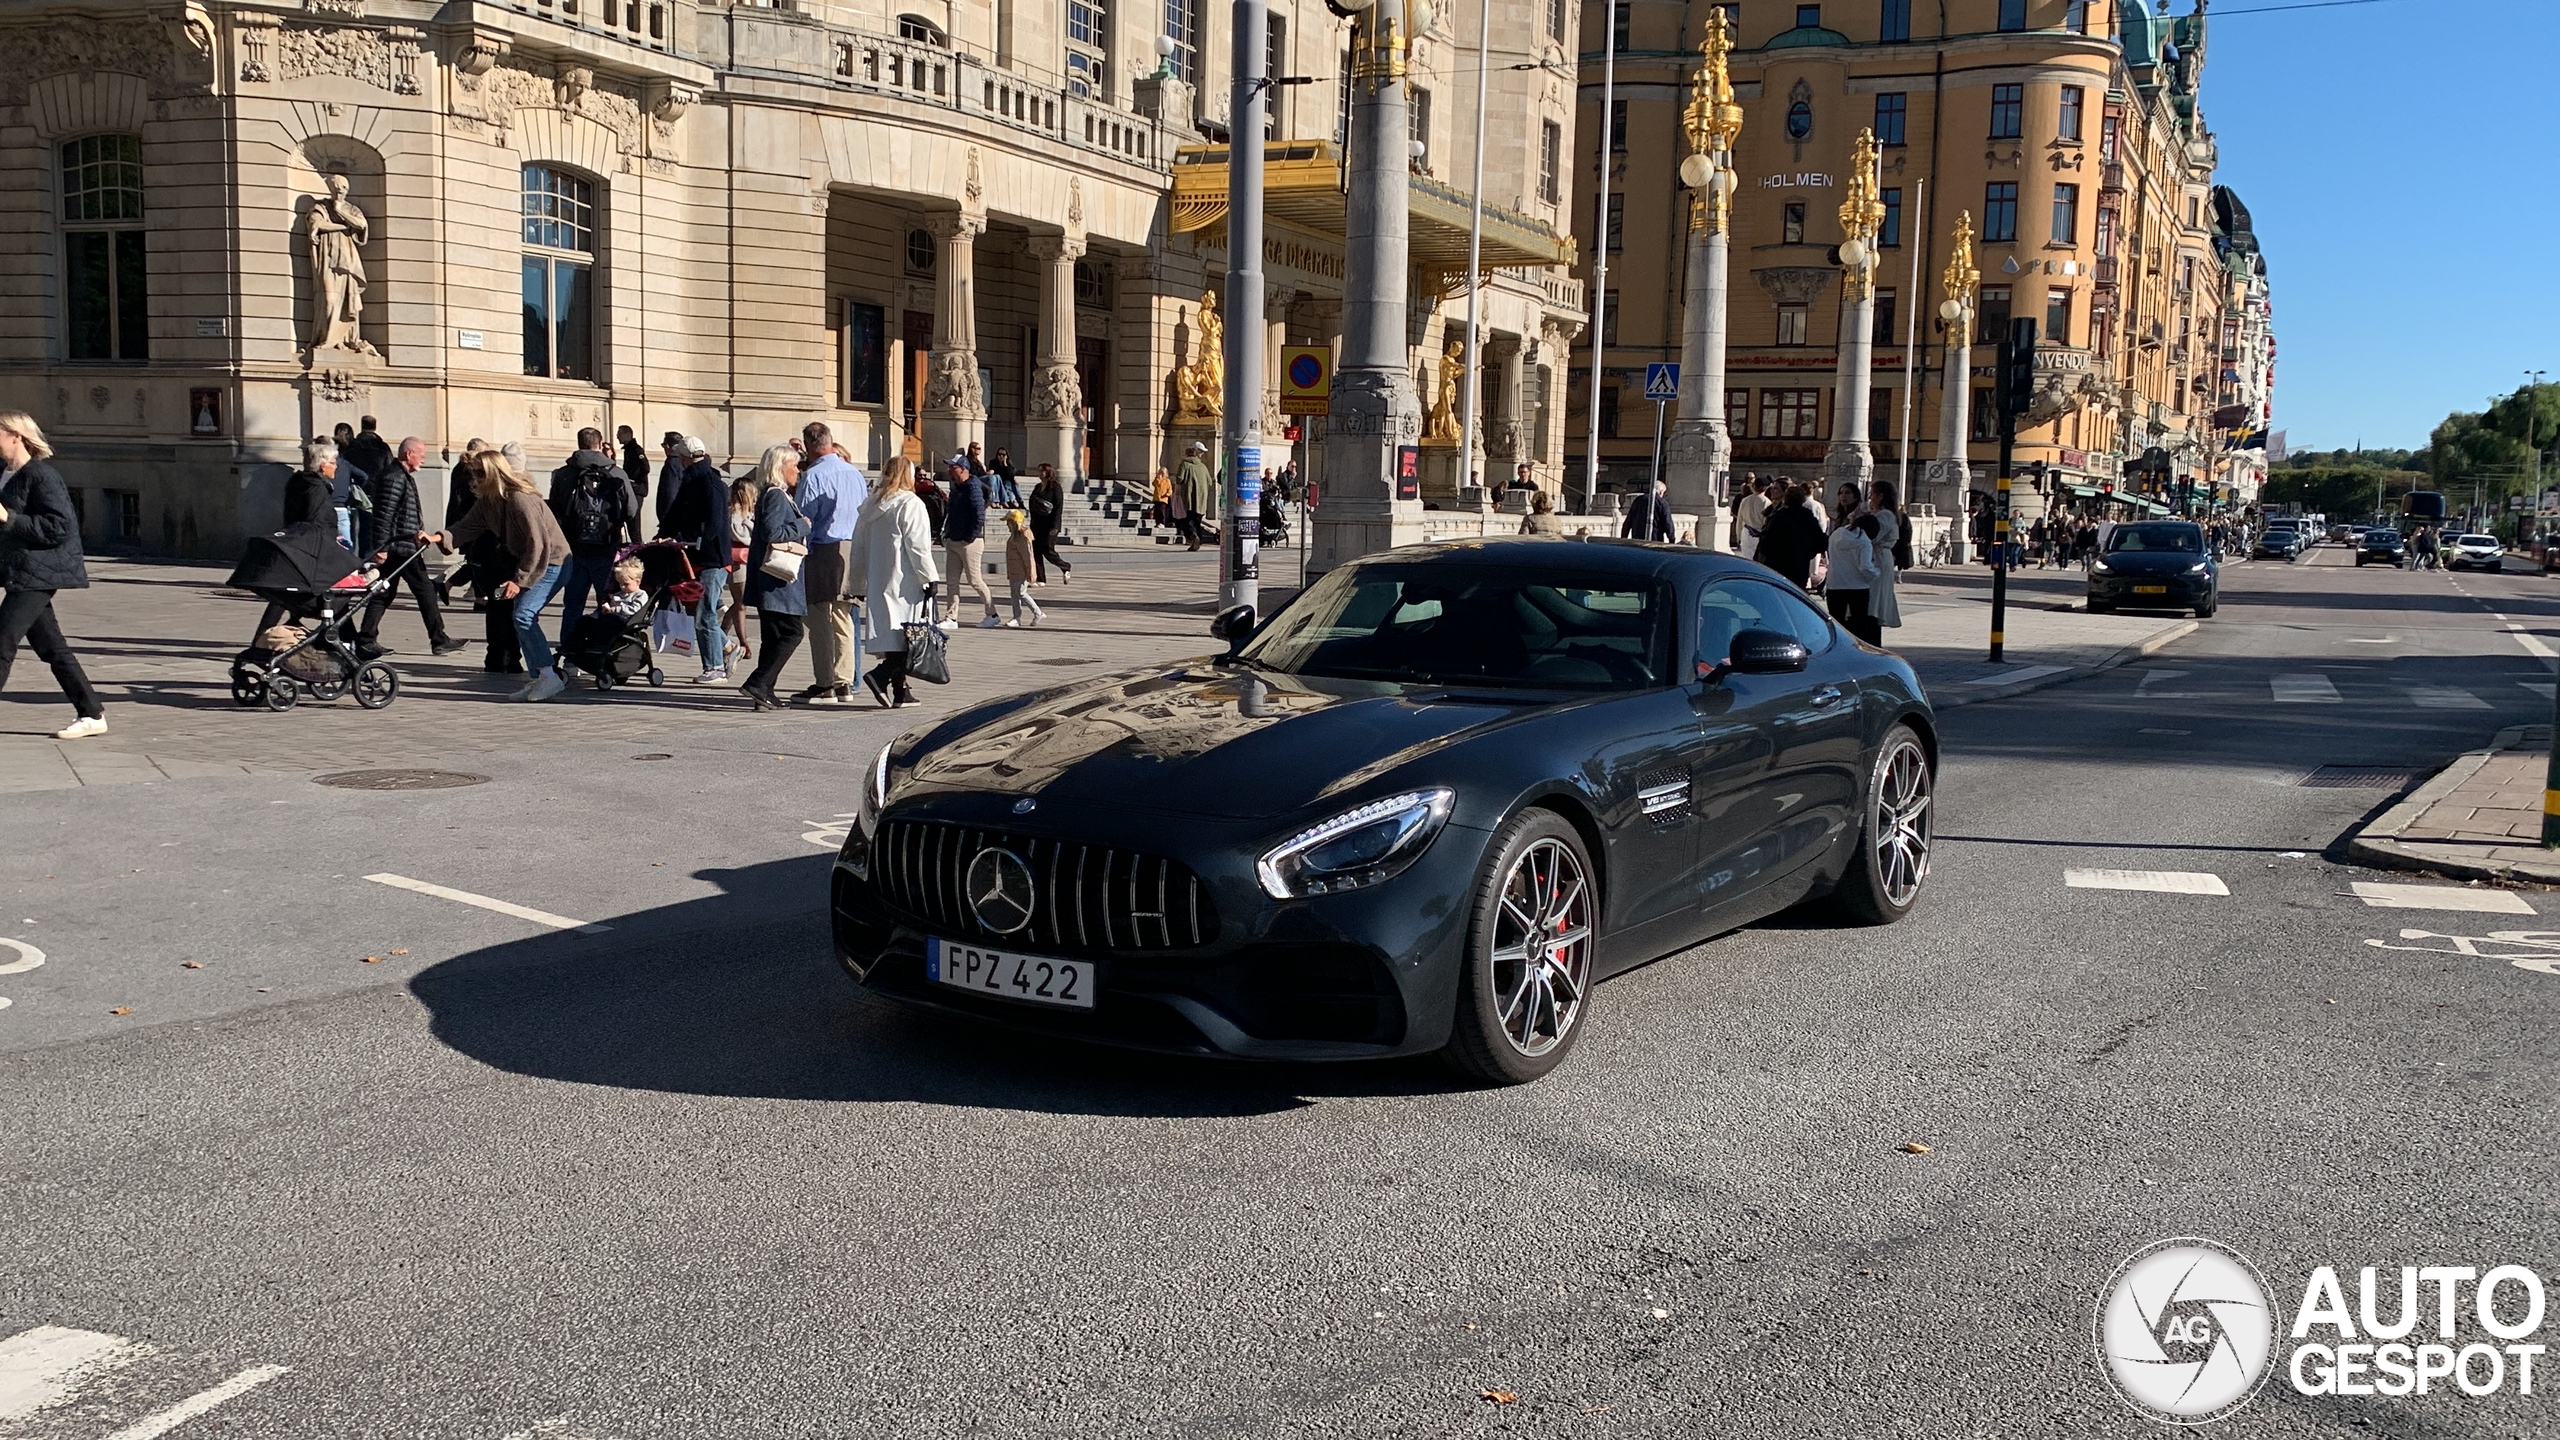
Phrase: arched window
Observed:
(107, 311)
(1088, 45)
(559, 274)
(922, 31)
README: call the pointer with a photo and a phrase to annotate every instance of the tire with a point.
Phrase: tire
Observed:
(1891, 867)
(2100, 607)
(281, 693)
(2205, 612)
(376, 686)
(657, 676)
(604, 677)
(247, 690)
(1536, 882)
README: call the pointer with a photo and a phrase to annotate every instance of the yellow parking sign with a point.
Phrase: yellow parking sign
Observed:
(1306, 379)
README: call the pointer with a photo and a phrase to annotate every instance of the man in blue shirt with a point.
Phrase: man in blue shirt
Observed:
(832, 489)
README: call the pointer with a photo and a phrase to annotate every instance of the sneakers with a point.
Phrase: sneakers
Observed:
(946, 626)
(544, 686)
(712, 677)
(844, 695)
(445, 647)
(1036, 617)
(1013, 624)
(82, 728)
(879, 690)
(990, 623)
(816, 694)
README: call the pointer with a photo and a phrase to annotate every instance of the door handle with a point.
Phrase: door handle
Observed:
(1828, 696)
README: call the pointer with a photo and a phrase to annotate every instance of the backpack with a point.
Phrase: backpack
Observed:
(594, 517)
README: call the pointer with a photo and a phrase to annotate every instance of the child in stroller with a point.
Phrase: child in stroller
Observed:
(613, 644)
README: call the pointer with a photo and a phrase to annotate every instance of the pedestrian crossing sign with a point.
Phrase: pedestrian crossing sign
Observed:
(1662, 381)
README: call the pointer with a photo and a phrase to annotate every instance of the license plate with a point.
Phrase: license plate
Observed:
(1033, 979)
(2150, 589)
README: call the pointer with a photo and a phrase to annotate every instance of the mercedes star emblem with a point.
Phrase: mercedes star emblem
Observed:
(1025, 805)
(1000, 889)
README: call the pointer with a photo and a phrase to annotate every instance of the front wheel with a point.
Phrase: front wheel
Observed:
(1885, 876)
(1528, 966)
(377, 685)
(280, 695)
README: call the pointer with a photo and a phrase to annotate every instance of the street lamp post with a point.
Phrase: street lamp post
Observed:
(1849, 461)
(1701, 450)
(1374, 411)
(1600, 255)
(1239, 556)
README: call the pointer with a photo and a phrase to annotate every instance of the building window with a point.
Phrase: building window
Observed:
(2066, 214)
(1879, 416)
(1791, 414)
(1418, 126)
(1808, 17)
(1617, 223)
(1885, 331)
(1890, 233)
(922, 31)
(1084, 75)
(1617, 127)
(1800, 120)
(920, 252)
(1609, 316)
(2192, 215)
(2075, 16)
(1182, 27)
(2000, 212)
(1275, 64)
(2106, 242)
(1986, 421)
(1791, 224)
(2057, 316)
(1993, 303)
(1088, 42)
(1550, 162)
(107, 314)
(1618, 17)
(559, 274)
(1897, 21)
(2008, 111)
(866, 370)
(2013, 14)
(1342, 87)
(1555, 20)
(1890, 109)
(2068, 126)
(1791, 324)
(2107, 129)
(1609, 411)
(1737, 413)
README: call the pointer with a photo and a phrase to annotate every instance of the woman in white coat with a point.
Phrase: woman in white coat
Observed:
(892, 568)
(1883, 504)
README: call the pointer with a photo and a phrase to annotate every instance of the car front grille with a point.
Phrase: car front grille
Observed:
(1084, 897)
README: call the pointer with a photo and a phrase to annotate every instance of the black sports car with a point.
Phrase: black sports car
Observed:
(1424, 808)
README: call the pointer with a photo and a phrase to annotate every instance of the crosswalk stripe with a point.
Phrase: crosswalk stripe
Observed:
(2438, 897)
(2164, 882)
(161, 1422)
(43, 1366)
(2441, 697)
(2303, 690)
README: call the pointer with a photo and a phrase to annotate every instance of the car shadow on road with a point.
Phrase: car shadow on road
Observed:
(739, 994)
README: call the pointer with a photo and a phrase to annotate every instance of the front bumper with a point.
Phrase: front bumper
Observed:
(2165, 592)
(2460, 561)
(1358, 975)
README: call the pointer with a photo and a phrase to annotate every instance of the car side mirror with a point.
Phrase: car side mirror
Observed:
(1235, 626)
(1766, 652)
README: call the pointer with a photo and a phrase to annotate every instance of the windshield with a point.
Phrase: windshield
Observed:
(2382, 537)
(2170, 539)
(2489, 540)
(1459, 625)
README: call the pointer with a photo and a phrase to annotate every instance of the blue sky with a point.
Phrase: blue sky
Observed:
(2396, 158)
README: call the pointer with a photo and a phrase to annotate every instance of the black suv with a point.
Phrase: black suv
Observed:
(2277, 542)
(2383, 545)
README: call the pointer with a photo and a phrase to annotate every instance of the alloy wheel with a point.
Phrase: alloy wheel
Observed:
(1541, 960)
(1902, 824)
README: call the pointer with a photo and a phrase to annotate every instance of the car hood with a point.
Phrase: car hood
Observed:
(2148, 562)
(1208, 740)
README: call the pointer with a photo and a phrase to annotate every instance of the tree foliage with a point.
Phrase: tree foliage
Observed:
(2339, 492)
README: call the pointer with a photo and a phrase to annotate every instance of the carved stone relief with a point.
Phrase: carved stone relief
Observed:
(174, 58)
(1794, 284)
(513, 84)
(386, 60)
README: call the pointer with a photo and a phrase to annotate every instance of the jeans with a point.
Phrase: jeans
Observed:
(528, 619)
(580, 574)
(1045, 556)
(708, 638)
(28, 615)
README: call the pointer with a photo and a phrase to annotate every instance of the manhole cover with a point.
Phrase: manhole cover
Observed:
(653, 757)
(1064, 660)
(2358, 777)
(399, 780)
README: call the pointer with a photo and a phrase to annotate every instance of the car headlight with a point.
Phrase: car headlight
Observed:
(2198, 568)
(856, 854)
(2098, 567)
(1357, 848)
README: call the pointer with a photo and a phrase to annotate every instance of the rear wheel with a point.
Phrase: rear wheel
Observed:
(1892, 863)
(657, 676)
(1530, 945)
(280, 693)
(377, 685)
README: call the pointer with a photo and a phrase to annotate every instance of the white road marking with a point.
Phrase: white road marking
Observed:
(43, 1366)
(2538, 687)
(2533, 645)
(830, 833)
(2150, 678)
(29, 957)
(2360, 640)
(2439, 897)
(2537, 950)
(555, 1428)
(2444, 697)
(2303, 689)
(2164, 882)
(161, 1422)
(503, 907)
(2012, 677)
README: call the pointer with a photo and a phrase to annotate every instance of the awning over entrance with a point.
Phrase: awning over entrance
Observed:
(1302, 187)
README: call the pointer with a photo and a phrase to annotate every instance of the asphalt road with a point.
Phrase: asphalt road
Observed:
(679, 1179)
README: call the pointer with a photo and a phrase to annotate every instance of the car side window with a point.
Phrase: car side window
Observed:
(1726, 608)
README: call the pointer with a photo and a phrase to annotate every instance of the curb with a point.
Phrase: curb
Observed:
(1976, 694)
(2380, 846)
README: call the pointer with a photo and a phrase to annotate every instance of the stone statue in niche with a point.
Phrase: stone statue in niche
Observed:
(337, 235)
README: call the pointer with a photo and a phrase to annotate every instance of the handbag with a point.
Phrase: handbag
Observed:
(928, 656)
(782, 562)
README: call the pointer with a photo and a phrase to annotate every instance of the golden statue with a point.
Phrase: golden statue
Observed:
(1443, 424)
(1200, 387)
(1962, 277)
(1861, 213)
(1712, 120)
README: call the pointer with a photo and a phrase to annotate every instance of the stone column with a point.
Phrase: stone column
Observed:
(1052, 420)
(1275, 318)
(1849, 462)
(1699, 452)
(1506, 441)
(955, 406)
(1955, 414)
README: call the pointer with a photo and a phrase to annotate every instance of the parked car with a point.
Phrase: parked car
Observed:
(1377, 825)
(2382, 545)
(2277, 542)
(2475, 552)
(2155, 565)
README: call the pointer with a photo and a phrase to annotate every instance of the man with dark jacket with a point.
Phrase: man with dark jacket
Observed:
(391, 531)
(367, 452)
(1649, 516)
(670, 474)
(964, 538)
(699, 516)
(1790, 538)
(635, 468)
(593, 501)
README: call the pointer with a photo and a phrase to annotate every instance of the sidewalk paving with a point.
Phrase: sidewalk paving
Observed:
(158, 639)
(2480, 818)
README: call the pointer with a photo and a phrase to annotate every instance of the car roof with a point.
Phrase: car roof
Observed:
(1582, 556)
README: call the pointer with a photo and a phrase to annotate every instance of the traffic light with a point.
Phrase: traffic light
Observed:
(2017, 377)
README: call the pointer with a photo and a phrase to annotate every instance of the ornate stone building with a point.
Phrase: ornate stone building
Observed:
(935, 221)
(2068, 131)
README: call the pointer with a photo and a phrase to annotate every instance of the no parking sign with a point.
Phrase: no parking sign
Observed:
(1306, 379)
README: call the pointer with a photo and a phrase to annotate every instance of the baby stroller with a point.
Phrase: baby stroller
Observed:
(308, 571)
(614, 650)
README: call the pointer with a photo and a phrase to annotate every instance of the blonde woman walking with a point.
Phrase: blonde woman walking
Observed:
(509, 509)
(39, 555)
(893, 570)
